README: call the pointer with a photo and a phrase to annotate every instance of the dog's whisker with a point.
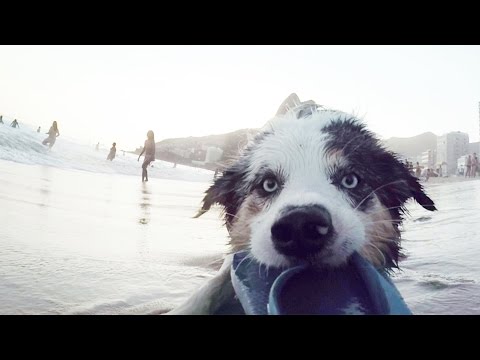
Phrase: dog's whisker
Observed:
(383, 238)
(378, 188)
(348, 143)
(379, 251)
(383, 221)
(383, 210)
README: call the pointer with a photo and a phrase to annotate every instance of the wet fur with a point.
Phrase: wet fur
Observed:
(340, 144)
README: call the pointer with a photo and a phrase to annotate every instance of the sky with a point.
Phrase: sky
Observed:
(117, 93)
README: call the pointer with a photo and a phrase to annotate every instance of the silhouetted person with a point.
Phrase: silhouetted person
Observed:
(475, 163)
(418, 170)
(113, 151)
(1, 119)
(468, 166)
(38, 130)
(97, 146)
(14, 124)
(149, 150)
(53, 133)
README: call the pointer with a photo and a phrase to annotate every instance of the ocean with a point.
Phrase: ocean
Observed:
(82, 235)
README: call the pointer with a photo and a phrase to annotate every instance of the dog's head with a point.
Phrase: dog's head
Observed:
(315, 185)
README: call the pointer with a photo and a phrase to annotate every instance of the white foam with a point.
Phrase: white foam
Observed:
(24, 145)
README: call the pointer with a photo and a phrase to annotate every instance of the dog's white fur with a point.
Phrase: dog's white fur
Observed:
(297, 149)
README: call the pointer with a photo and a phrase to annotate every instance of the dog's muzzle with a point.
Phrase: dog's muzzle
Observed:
(302, 231)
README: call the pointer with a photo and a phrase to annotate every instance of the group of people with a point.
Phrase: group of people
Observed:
(416, 171)
(148, 149)
(13, 124)
(52, 133)
(471, 165)
(419, 171)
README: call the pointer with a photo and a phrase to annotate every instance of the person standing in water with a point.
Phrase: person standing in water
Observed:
(113, 151)
(38, 130)
(14, 124)
(1, 119)
(53, 133)
(97, 146)
(149, 150)
(468, 165)
(473, 170)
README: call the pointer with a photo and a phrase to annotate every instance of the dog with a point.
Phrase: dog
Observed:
(313, 185)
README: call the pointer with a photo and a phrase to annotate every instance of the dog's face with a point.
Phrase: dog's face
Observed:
(315, 186)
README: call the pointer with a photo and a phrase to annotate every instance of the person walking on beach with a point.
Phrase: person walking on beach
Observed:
(14, 124)
(53, 133)
(474, 168)
(468, 165)
(418, 170)
(149, 150)
(113, 151)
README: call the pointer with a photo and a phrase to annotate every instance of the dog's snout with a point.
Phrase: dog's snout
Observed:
(302, 231)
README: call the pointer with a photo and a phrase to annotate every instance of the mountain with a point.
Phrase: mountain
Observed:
(230, 143)
(184, 150)
(412, 146)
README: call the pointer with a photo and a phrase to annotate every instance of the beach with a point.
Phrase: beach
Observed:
(80, 235)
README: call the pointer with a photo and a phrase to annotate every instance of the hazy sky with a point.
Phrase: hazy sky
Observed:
(117, 93)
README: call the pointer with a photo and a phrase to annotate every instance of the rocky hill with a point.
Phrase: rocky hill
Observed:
(412, 146)
(233, 141)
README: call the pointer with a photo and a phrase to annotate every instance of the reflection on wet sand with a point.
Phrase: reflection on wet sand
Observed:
(45, 186)
(145, 216)
(145, 204)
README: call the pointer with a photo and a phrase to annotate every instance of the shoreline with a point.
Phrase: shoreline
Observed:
(450, 179)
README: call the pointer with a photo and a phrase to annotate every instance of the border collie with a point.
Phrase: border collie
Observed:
(313, 185)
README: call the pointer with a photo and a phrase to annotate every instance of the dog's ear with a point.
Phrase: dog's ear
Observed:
(216, 194)
(289, 103)
(404, 185)
(227, 191)
(419, 195)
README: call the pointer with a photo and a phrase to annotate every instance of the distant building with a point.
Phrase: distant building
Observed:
(449, 148)
(213, 154)
(474, 148)
(183, 153)
(429, 159)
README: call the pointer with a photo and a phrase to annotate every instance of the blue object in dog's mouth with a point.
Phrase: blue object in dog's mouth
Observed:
(356, 288)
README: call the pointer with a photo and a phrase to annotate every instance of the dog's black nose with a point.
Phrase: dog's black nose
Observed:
(302, 231)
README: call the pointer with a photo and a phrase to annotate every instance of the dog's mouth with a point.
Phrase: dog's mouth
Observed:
(327, 258)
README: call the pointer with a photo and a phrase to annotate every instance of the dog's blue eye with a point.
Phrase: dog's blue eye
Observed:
(270, 185)
(350, 181)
